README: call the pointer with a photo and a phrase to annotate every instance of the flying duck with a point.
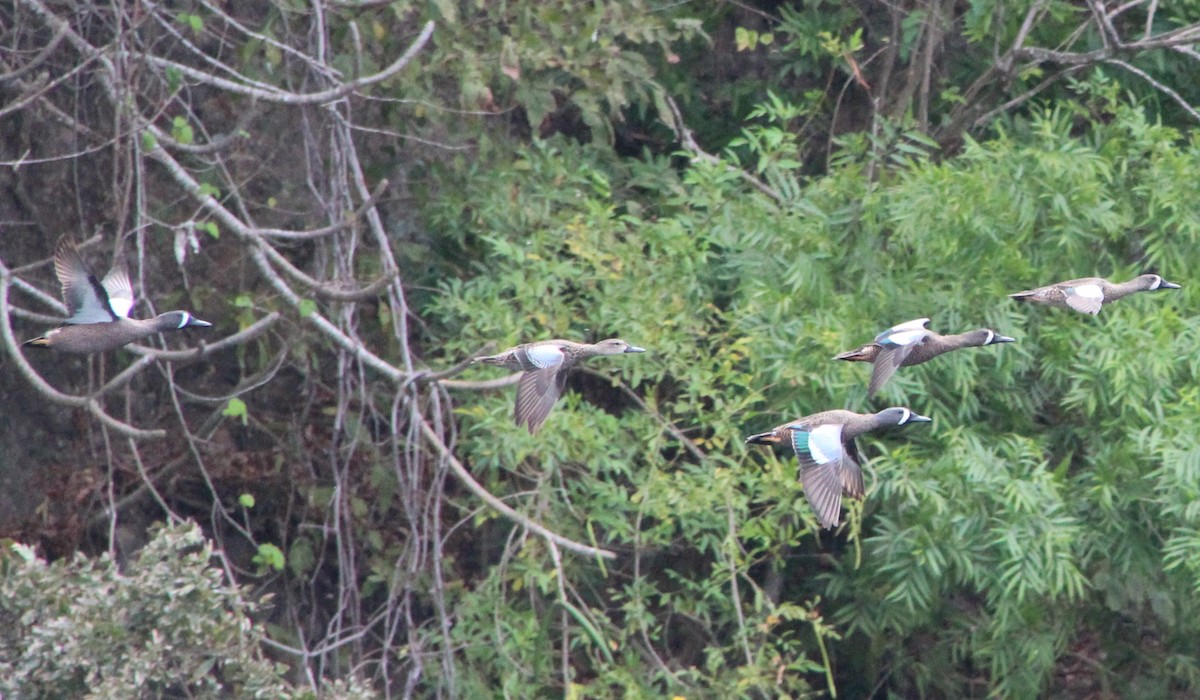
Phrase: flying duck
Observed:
(910, 343)
(100, 309)
(545, 365)
(830, 463)
(1088, 294)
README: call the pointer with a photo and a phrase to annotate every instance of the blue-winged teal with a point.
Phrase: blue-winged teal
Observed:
(545, 365)
(100, 310)
(830, 463)
(1088, 294)
(911, 343)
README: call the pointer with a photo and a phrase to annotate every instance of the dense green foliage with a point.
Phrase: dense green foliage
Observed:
(165, 626)
(1048, 498)
(1040, 537)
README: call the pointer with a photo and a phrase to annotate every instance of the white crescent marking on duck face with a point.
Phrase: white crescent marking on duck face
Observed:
(825, 443)
(545, 356)
(905, 417)
(1157, 283)
(990, 338)
(1088, 291)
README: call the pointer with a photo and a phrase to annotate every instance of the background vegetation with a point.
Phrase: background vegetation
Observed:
(362, 196)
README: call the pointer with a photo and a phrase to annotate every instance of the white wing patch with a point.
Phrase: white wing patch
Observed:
(1086, 298)
(906, 333)
(545, 356)
(120, 292)
(825, 443)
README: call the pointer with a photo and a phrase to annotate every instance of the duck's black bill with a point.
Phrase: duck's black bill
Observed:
(763, 439)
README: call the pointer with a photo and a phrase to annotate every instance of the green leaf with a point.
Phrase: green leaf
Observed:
(174, 78)
(236, 408)
(307, 307)
(246, 500)
(269, 556)
(181, 131)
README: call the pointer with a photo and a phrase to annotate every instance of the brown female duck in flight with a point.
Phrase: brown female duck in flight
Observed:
(1088, 294)
(545, 365)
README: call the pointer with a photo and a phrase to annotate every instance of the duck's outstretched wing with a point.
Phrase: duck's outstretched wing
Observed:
(120, 291)
(821, 456)
(1084, 298)
(85, 297)
(537, 392)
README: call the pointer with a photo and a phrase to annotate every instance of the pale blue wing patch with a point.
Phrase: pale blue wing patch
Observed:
(907, 338)
(895, 345)
(544, 356)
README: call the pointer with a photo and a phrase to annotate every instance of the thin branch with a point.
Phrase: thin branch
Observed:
(1149, 17)
(185, 180)
(1031, 18)
(1108, 33)
(1158, 86)
(668, 425)
(499, 506)
(376, 195)
(483, 384)
(270, 93)
(689, 144)
(328, 290)
(734, 592)
(205, 349)
(1181, 37)
(1025, 96)
(452, 371)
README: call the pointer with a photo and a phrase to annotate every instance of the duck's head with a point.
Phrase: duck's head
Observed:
(1154, 282)
(987, 336)
(616, 346)
(174, 320)
(863, 353)
(899, 415)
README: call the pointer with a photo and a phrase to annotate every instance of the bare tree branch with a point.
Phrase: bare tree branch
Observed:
(269, 93)
(499, 506)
